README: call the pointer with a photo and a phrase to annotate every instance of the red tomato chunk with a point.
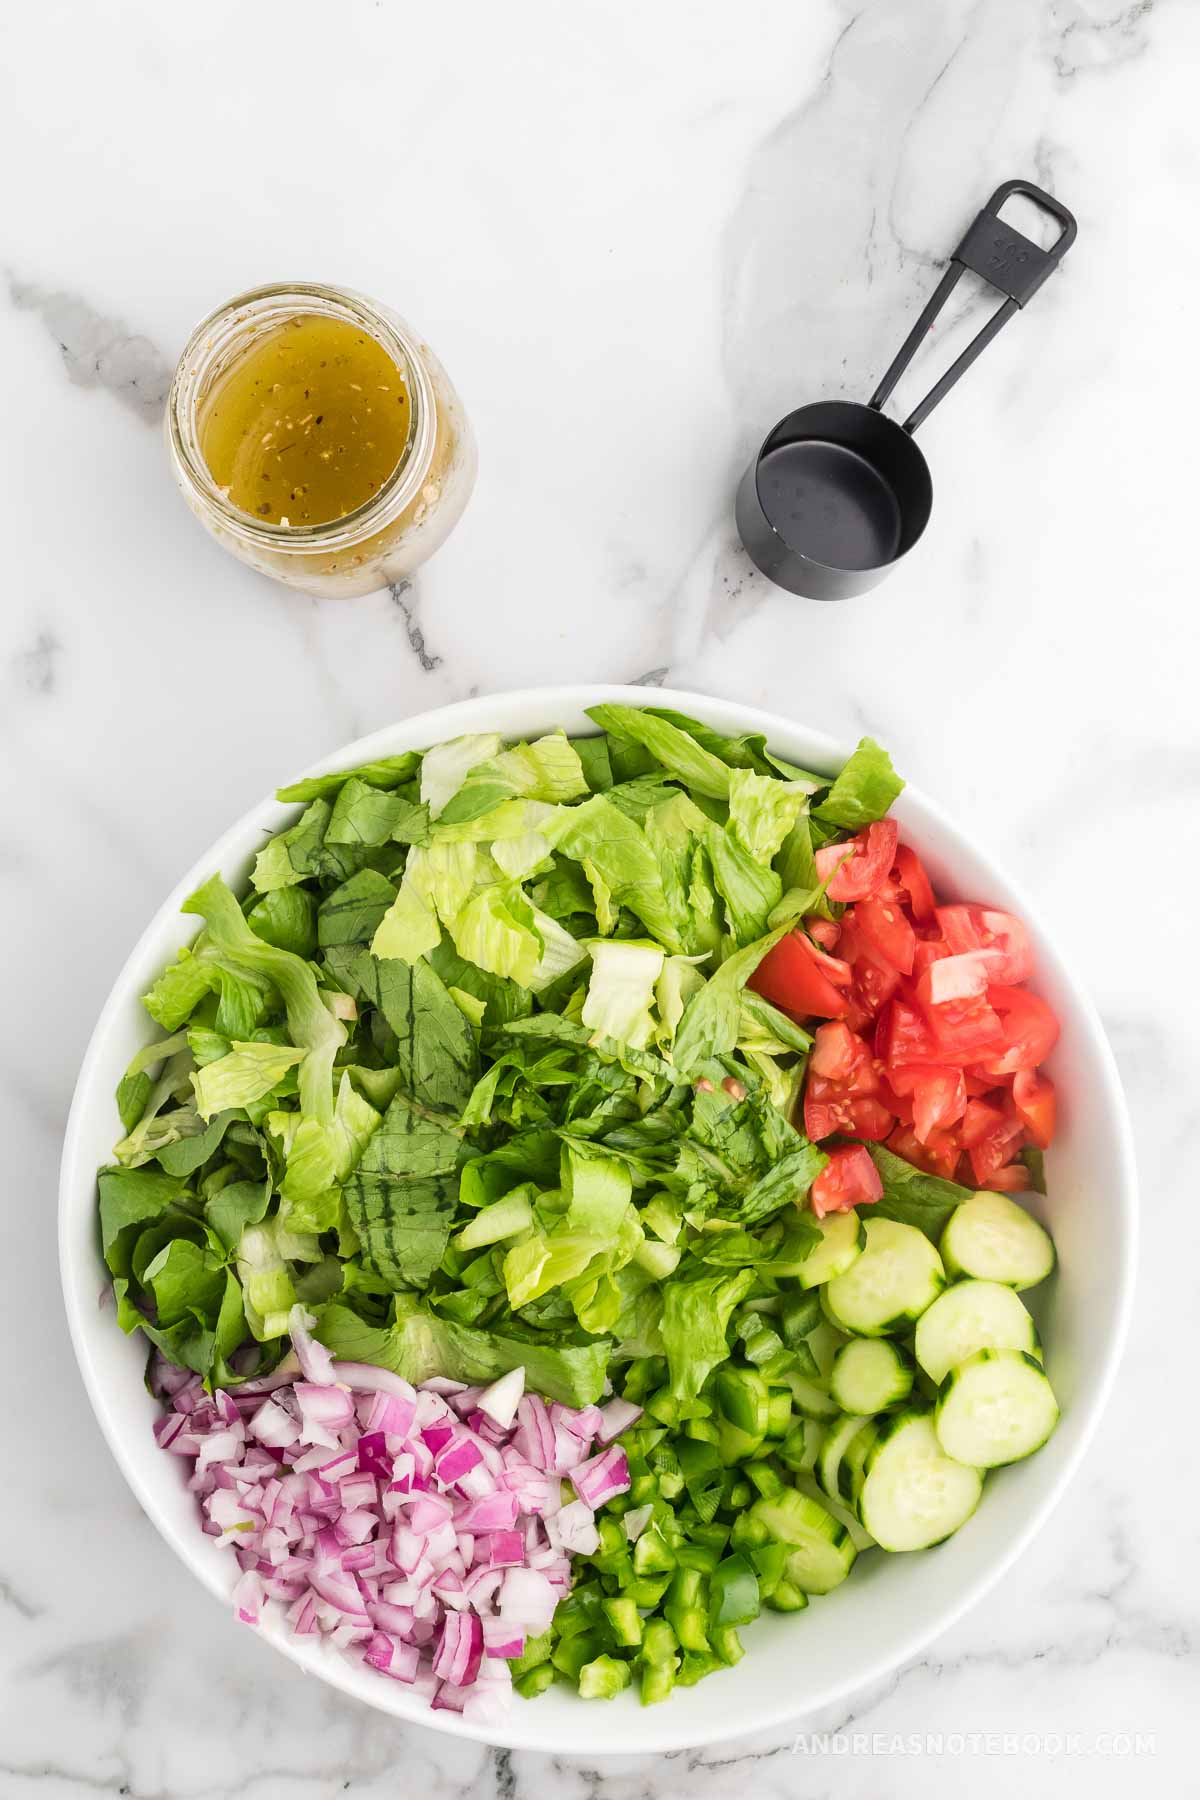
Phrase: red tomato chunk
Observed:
(932, 1045)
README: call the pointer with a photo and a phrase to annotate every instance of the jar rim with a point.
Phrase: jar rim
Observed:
(213, 341)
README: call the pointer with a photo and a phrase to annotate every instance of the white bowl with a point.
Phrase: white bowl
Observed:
(891, 1606)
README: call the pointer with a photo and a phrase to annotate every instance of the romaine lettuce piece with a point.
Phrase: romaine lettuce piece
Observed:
(247, 1073)
(621, 989)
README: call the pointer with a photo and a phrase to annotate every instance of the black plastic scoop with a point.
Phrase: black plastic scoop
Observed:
(839, 492)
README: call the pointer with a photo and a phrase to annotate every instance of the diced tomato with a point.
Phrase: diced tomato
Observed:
(902, 1037)
(829, 1109)
(791, 976)
(887, 933)
(910, 875)
(837, 1052)
(1028, 1028)
(978, 1085)
(937, 1156)
(873, 985)
(961, 977)
(843, 1082)
(995, 1148)
(1000, 935)
(939, 1100)
(964, 1030)
(848, 1179)
(1036, 1104)
(871, 855)
(928, 951)
(1013, 1178)
(979, 1118)
(825, 932)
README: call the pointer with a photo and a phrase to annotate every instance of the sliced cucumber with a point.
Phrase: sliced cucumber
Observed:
(869, 1375)
(823, 1343)
(837, 1442)
(843, 1241)
(811, 1400)
(898, 1275)
(970, 1316)
(995, 1408)
(852, 1472)
(912, 1493)
(822, 1550)
(801, 1447)
(989, 1236)
(860, 1537)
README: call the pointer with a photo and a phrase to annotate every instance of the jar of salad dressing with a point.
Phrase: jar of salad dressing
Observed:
(318, 439)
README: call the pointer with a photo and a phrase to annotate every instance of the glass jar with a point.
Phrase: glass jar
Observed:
(381, 541)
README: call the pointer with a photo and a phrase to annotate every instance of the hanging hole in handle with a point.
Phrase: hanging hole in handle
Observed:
(1031, 219)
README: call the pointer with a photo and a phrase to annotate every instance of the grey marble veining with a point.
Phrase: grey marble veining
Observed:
(636, 236)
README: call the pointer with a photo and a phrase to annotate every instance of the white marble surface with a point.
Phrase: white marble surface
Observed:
(636, 234)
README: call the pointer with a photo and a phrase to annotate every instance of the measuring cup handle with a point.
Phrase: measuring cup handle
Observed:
(1008, 261)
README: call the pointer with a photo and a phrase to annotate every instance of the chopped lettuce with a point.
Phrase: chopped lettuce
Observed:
(247, 1073)
(864, 791)
(621, 990)
(473, 1072)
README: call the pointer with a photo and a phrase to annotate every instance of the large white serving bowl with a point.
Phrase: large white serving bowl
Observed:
(892, 1606)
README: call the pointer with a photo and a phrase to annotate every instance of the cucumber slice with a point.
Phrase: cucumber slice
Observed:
(853, 1470)
(913, 1494)
(823, 1344)
(970, 1316)
(991, 1237)
(860, 1537)
(837, 1442)
(995, 1408)
(801, 1447)
(822, 1550)
(870, 1375)
(843, 1241)
(810, 1400)
(898, 1275)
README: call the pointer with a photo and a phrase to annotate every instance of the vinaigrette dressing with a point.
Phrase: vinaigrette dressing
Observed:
(318, 438)
(307, 424)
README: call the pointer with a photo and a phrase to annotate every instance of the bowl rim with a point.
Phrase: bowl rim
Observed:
(77, 1177)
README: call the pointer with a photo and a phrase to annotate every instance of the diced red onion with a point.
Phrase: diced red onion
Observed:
(500, 1401)
(315, 1360)
(576, 1529)
(602, 1477)
(617, 1415)
(423, 1531)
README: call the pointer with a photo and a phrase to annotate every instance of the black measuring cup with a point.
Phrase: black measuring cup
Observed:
(839, 492)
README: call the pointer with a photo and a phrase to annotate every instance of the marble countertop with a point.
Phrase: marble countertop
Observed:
(636, 235)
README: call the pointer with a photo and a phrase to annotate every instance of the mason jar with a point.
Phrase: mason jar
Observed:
(391, 533)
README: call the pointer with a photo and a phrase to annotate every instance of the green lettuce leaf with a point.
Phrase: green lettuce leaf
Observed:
(912, 1197)
(128, 1198)
(313, 1027)
(287, 918)
(618, 848)
(787, 1182)
(749, 888)
(353, 912)
(864, 791)
(621, 991)
(762, 812)
(676, 750)
(387, 772)
(370, 816)
(695, 1326)
(548, 770)
(268, 1293)
(248, 1073)
(446, 767)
